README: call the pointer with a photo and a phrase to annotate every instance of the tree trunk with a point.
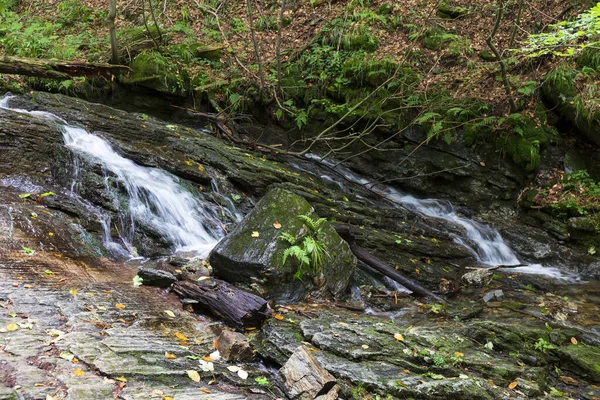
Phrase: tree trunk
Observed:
(112, 14)
(240, 308)
(56, 69)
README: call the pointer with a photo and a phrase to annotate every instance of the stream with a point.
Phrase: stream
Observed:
(61, 298)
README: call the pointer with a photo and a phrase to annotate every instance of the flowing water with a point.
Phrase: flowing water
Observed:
(483, 241)
(155, 197)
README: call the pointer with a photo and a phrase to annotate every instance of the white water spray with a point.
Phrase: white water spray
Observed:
(155, 197)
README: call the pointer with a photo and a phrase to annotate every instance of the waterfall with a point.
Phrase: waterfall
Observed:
(484, 242)
(155, 198)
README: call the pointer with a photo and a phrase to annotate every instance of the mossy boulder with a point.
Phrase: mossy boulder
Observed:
(252, 254)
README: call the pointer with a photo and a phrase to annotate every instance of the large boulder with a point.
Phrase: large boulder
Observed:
(252, 254)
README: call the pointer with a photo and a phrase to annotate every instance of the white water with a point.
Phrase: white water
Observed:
(156, 198)
(484, 242)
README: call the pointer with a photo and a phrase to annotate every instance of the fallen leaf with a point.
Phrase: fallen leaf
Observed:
(204, 390)
(193, 375)
(50, 234)
(170, 356)
(158, 392)
(121, 379)
(512, 385)
(66, 355)
(215, 355)
(399, 337)
(255, 234)
(569, 381)
(170, 313)
(181, 336)
(79, 372)
(458, 354)
(167, 398)
(278, 317)
(573, 340)
(482, 164)
(276, 225)
(242, 374)
(73, 292)
(234, 368)
(27, 286)
(12, 327)
(119, 305)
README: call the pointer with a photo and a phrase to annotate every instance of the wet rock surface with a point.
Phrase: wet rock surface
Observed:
(252, 254)
(67, 309)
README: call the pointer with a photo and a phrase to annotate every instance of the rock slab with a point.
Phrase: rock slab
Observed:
(303, 377)
(252, 254)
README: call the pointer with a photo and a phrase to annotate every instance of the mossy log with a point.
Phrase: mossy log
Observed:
(239, 308)
(56, 69)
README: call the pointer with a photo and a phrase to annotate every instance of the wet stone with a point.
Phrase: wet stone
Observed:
(233, 346)
(156, 277)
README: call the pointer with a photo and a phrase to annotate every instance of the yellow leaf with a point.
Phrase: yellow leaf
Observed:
(170, 313)
(573, 340)
(399, 337)
(170, 356)
(207, 358)
(458, 354)
(50, 234)
(12, 327)
(194, 375)
(181, 336)
(167, 398)
(73, 292)
(200, 168)
(119, 305)
(204, 390)
(512, 385)
(278, 317)
(79, 372)
(121, 379)
(255, 234)
(365, 346)
(276, 225)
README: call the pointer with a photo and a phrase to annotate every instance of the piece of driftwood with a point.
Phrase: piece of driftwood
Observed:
(303, 378)
(381, 267)
(56, 69)
(241, 309)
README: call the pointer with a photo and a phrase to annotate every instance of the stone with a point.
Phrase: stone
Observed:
(478, 277)
(234, 346)
(303, 377)
(156, 277)
(252, 254)
(494, 294)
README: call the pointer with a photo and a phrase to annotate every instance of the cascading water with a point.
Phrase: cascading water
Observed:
(155, 197)
(484, 242)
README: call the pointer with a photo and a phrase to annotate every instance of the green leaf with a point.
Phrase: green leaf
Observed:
(137, 281)
(46, 194)
(25, 195)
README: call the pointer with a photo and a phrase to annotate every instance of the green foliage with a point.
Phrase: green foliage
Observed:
(566, 38)
(152, 66)
(437, 39)
(543, 345)
(306, 248)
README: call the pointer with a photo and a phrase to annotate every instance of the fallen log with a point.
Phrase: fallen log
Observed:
(241, 309)
(381, 267)
(55, 69)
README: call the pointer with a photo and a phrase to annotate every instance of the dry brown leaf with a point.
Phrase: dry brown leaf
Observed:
(276, 225)
(573, 340)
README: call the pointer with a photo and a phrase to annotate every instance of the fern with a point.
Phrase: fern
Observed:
(306, 248)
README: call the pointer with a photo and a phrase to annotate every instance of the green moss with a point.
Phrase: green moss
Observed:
(589, 57)
(155, 70)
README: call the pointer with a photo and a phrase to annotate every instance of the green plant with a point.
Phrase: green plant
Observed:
(306, 247)
(543, 345)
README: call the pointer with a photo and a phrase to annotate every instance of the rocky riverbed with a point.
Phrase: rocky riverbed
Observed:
(72, 323)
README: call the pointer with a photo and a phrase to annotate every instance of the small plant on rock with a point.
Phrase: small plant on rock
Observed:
(306, 247)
